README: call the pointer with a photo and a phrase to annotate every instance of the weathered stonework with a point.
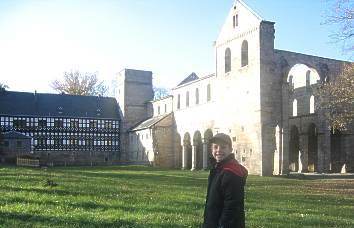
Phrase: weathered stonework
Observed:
(134, 92)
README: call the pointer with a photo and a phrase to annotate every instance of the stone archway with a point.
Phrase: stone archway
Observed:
(197, 151)
(187, 152)
(294, 147)
(312, 148)
(297, 72)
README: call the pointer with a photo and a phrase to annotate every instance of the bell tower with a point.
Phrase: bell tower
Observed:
(134, 93)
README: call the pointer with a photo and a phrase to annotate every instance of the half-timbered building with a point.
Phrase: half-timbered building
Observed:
(64, 129)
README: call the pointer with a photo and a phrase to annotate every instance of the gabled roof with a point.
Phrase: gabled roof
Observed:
(15, 135)
(249, 9)
(149, 122)
(190, 78)
(58, 105)
(194, 81)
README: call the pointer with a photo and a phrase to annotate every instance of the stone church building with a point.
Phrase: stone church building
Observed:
(261, 96)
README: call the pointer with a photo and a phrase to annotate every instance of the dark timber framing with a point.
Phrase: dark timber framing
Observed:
(60, 124)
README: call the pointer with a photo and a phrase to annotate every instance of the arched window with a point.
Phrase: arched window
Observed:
(187, 99)
(295, 107)
(208, 92)
(312, 104)
(196, 96)
(244, 53)
(227, 60)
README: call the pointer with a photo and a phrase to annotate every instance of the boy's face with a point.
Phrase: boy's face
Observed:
(220, 150)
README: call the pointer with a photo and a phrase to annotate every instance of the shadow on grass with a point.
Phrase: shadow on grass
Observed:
(64, 222)
(271, 218)
(167, 208)
(318, 176)
(49, 191)
(20, 218)
(152, 178)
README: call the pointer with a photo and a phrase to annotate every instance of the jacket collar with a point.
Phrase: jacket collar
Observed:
(231, 165)
(226, 160)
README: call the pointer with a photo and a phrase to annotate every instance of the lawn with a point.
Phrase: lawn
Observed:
(138, 196)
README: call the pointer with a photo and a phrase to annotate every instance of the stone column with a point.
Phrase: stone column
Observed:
(284, 127)
(304, 155)
(320, 156)
(205, 154)
(349, 145)
(184, 156)
(324, 151)
(194, 157)
(327, 150)
(276, 155)
(285, 152)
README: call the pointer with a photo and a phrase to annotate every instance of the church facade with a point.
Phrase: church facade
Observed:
(260, 96)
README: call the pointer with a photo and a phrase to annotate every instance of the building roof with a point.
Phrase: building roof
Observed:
(249, 9)
(15, 135)
(193, 81)
(58, 105)
(190, 78)
(149, 122)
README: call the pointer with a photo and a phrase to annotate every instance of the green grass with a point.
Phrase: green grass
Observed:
(137, 196)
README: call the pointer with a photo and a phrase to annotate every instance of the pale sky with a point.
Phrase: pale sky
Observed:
(41, 39)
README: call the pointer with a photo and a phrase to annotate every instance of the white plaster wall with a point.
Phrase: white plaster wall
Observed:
(197, 116)
(168, 101)
(141, 146)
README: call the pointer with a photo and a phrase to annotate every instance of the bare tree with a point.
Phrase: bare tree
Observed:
(80, 84)
(341, 12)
(160, 92)
(336, 98)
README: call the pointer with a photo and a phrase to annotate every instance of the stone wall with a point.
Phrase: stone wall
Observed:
(134, 93)
(327, 69)
(141, 146)
(162, 106)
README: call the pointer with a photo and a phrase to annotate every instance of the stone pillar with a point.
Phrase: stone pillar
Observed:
(350, 153)
(184, 156)
(276, 155)
(285, 152)
(304, 155)
(324, 151)
(194, 157)
(327, 151)
(205, 154)
(276, 163)
(320, 137)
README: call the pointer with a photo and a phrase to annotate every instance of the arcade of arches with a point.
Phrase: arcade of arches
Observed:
(196, 150)
(305, 154)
